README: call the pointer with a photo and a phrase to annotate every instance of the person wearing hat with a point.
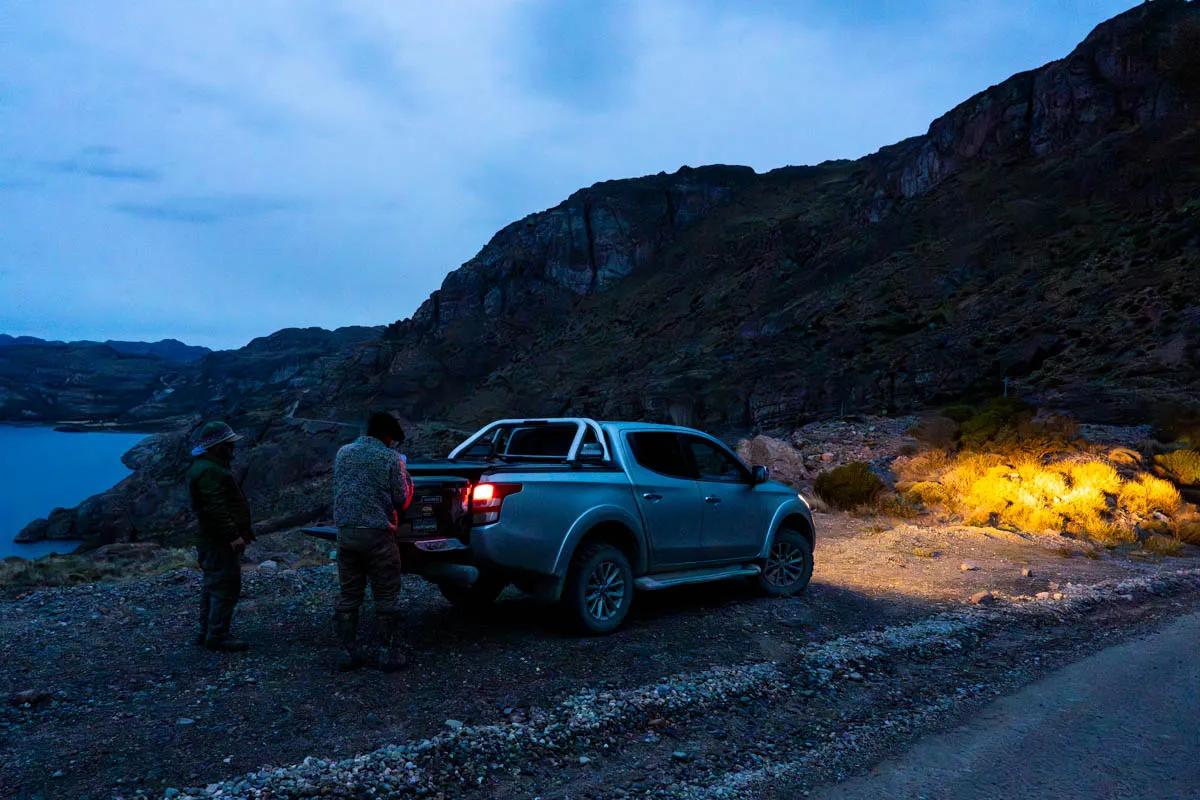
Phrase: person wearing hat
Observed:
(371, 487)
(225, 530)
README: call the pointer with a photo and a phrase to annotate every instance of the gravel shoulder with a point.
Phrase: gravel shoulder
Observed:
(122, 704)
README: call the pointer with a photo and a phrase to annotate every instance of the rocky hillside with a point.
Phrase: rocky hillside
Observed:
(151, 384)
(1045, 232)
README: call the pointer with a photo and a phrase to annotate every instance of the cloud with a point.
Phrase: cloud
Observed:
(98, 161)
(206, 210)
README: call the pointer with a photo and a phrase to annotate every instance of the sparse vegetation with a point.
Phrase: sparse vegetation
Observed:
(1081, 494)
(849, 486)
(55, 570)
(1162, 545)
(1181, 467)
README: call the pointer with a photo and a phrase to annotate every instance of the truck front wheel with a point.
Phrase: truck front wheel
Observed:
(599, 589)
(789, 565)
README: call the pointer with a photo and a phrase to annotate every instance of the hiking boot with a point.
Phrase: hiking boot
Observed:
(227, 644)
(345, 623)
(391, 652)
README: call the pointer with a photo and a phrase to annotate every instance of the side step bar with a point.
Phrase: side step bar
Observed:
(666, 580)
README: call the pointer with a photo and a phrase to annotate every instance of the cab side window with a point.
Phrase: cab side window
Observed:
(714, 463)
(661, 452)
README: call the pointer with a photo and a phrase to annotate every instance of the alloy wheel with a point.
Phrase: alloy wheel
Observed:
(605, 591)
(785, 564)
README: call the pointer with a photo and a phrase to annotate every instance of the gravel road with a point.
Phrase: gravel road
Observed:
(1124, 722)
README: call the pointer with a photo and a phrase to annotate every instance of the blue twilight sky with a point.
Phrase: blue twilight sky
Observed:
(214, 171)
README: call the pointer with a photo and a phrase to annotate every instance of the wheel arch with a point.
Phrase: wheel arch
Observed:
(792, 515)
(612, 525)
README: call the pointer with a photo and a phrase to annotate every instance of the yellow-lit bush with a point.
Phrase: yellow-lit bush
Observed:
(1147, 494)
(1179, 466)
(1082, 494)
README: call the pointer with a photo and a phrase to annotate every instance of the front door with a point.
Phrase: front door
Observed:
(733, 512)
(668, 497)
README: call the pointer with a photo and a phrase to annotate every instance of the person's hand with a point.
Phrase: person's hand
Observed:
(238, 544)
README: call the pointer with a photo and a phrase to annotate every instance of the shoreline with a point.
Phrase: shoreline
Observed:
(88, 426)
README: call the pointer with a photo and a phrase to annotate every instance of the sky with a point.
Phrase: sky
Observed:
(215, 171)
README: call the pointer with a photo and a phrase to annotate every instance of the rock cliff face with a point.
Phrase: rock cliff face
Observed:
(1044, 232)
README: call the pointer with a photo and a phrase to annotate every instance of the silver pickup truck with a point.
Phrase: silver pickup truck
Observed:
(583, 513)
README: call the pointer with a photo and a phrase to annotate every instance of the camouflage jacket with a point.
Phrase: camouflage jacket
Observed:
(220, 506)
(370, 484)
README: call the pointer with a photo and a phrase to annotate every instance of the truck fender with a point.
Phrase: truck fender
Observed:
(786, 509)
(589, 520)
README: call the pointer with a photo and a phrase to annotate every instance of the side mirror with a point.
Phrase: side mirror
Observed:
(590, 451)
(760, 474)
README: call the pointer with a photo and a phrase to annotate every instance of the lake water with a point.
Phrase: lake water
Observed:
(42, 469)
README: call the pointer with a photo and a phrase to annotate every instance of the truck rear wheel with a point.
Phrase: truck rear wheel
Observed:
(599, 589)
(789, 565)
(479, 595)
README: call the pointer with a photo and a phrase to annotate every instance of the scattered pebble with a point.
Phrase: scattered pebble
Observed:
(968, 566)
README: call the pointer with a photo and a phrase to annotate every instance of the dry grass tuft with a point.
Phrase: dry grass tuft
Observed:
(1147, 494)
(55, 570)
(1180, 466)
(1162, 545)
(1081, 494)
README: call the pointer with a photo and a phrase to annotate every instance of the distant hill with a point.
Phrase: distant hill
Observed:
(149, 384)
(166, 349)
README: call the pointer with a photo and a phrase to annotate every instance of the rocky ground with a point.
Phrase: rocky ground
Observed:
(708, 692)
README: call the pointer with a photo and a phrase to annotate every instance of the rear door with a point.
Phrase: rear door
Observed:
(734, 523)
(667, 496)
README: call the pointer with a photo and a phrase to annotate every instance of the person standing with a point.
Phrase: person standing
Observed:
(371, 487)
(225, 530)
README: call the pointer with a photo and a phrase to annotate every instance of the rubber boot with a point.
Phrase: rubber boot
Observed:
(226, 644)
(346, 625)
(221, 615)
(391, 651)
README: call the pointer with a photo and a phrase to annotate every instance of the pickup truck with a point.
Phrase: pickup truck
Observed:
(583, 513)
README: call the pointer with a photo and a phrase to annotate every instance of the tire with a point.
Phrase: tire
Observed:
(789, 566)
(599, 589)
(478, 596)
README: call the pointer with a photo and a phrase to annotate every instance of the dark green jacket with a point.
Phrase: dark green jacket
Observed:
(220, 506)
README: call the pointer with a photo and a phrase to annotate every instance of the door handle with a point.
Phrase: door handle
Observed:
(712, 498)
(652, 497)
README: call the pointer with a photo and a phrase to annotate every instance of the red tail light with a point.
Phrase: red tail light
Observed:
(486, 499)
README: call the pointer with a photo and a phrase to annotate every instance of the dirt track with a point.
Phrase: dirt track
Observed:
(132, 707)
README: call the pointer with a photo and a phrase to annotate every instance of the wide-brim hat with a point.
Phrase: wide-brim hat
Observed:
(213, 434)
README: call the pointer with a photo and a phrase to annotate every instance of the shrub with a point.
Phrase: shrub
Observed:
(1162, 545)
(1146, 494)
(1181, 467)
(936, 431)
(1188, 531)
(959, 413)
(848, 486)
(1000, 420)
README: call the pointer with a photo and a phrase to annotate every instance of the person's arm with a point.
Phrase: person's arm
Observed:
(402, 485)
(213, 494)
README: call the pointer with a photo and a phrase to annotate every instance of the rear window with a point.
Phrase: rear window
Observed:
(662, 452)
(540, 441)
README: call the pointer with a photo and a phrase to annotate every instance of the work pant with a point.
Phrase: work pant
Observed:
(368, 554)
(220, 588)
